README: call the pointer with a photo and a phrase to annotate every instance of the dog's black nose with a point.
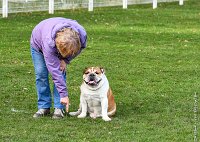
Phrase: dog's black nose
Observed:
(92, 76)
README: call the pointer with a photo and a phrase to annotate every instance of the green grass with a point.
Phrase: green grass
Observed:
(151, 59)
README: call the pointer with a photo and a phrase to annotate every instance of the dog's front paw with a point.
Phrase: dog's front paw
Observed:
(106, 118)
(93, 115)
(82, 116)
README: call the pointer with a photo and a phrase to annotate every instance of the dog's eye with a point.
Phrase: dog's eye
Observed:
(86, 72)
(97, 72)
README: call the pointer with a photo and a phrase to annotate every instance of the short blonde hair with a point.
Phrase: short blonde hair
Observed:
(68, 42)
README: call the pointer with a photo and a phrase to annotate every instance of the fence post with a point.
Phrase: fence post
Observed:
(90, 5)
(51, 6)
(180, 2)
(5, 8)
(154, 4)
(125, 3)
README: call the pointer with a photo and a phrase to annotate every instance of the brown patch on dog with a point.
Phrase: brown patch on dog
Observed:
(111, 103)
(96, 70)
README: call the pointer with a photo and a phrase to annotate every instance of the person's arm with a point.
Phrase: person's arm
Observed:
(63, 66)
(53, 66)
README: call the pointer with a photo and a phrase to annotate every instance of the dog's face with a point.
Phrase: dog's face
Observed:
(92, 76)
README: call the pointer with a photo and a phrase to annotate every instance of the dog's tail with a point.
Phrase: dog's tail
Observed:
(76, 113)
(113, 111)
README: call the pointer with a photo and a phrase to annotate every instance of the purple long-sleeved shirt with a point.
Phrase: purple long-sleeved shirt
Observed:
(43, 40)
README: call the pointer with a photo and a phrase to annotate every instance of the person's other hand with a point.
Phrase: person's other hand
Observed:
(65, 101)
(63, 65)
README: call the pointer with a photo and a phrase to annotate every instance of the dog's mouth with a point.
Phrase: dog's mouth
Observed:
(92, 82)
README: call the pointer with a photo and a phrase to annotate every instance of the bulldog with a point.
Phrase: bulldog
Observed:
(96, 97)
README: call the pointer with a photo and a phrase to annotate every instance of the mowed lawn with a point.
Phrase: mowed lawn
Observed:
(152, 61)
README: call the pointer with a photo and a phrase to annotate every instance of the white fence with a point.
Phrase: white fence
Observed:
(14, 6)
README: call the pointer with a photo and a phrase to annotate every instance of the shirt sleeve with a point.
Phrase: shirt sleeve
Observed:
(53, 66)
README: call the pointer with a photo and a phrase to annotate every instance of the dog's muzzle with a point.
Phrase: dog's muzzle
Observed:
(92, 80)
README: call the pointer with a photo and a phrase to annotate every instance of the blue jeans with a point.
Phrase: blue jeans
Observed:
(42, 82)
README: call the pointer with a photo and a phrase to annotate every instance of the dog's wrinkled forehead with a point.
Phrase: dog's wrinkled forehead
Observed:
(96, 70)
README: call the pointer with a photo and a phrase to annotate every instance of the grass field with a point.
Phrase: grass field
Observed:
(151, 58)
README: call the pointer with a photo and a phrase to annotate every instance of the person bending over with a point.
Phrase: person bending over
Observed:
(54, 43)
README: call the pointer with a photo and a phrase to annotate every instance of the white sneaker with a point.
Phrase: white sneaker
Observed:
(42, 112)
(58, 113)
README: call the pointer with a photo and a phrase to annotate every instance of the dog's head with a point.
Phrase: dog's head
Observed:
(92, 76)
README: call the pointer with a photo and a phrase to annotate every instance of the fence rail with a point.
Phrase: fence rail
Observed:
(14, 6)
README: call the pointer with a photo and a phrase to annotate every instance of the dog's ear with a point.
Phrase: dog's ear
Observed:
(102, 70)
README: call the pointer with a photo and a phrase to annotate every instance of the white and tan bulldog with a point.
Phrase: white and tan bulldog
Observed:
(96, 96)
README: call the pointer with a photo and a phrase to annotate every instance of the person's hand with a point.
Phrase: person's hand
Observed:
(63, 65)
(65, 101)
